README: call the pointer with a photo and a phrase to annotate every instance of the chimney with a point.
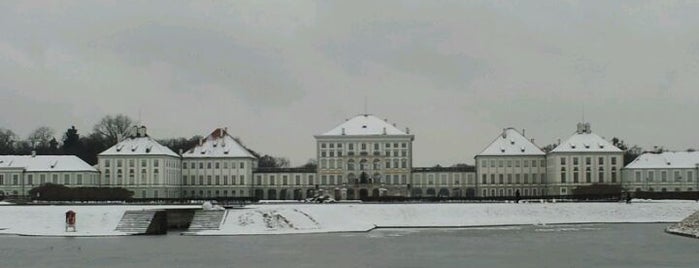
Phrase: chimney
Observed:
(407, 130)
(523, 132)
(33, 153)
(559, 142)
(384, 131)
(120, 137)
(343, 131)
(142, 131)
(581, 128)
(532, 140)
(181, 151)
(201, 141)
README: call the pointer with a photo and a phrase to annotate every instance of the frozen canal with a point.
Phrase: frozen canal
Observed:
(589, 245)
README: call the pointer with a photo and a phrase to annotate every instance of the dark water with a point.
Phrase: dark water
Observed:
(616, 245)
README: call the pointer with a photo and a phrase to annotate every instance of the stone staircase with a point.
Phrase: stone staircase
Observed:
(136, 221)
(207, 220)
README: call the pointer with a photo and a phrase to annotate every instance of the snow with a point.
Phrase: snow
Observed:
(38, 220)
(45, 163)
(586, 142)
(364, 124)
(139, 146)
(666, 160)
(511, 142)
(218, 144)
(321, 218)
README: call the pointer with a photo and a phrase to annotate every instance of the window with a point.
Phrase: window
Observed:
(509, 178)
(663, 176)
(310, 180)
(613, 175)
(575, 175)
(54, 178)
(242, 165)
(193, 165)
(509, 163)
(66, 179)
(526, 178)
(690, 175)
(588, 175)
(525, 163)
(613, 160)
(271, 180)
(285, 180)
(492, 178)
(485, 179)
(404, 163)
(651, 176)
(499, 163)
(600, 161)
(575, 161)
(322, 145)
(156, 163)
(638, 176)
(563, 161)
(2, 179)
(492, 163)
(119, 163)
(259, 180)
(600, 175)
(534, 178)
(563, 175)
(678, 177)
(298, 180)
(106, 163)
(517, 181)
(501, 179)
(483, 163)
(534, 163)
(131, 162)
(217, 179)
(588, 161)
(517, 163)
(79, 178)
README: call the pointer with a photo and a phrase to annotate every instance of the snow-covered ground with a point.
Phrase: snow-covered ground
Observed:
(50, 220)
(319, 218)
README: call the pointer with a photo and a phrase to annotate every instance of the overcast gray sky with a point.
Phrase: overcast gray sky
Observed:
(277, 72)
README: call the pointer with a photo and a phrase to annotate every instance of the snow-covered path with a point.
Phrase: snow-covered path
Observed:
(319, 218)
(50, 220)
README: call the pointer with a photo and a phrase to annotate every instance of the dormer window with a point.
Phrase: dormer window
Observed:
(572, 145)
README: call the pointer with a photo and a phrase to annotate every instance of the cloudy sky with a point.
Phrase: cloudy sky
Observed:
(277, 72)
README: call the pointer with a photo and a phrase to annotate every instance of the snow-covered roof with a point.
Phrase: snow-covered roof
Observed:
(218, 144)
(583, 140)
(45, 163)
(666, 160)
(143, 145)
(364, 124)
(511, 142)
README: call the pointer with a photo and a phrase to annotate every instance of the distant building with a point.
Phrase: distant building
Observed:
(583, 159)
(364, 156)
(285, 183)
(21, 173)
(140, 164)
(663, 172)
(459, 181)
(218, 166)
(511, 164)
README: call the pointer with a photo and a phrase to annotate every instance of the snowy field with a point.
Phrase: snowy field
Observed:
(320, 218)
(50, 220)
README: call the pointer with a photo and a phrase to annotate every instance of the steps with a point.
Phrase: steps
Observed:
(206, 220)
(136, 221)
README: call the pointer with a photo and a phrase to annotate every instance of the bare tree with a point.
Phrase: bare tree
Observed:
(7, 141)
(41, 137)
(111, 127)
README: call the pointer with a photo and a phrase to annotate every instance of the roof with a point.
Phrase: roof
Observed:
(45, 163)
(364, 124)
(583, 140)
(285, 170)
(138, 146)
(666, 160)
(444, 169)
(218, 144)
(510, 142)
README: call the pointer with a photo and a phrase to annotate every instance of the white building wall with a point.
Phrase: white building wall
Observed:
(569, 170)
(505, 175)
(148, 176)
(661, 179)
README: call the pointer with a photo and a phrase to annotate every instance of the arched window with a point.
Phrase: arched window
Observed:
(350, 164)
(363, 164)
(377, 164)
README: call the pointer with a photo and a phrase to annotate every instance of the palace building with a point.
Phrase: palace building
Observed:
(583, 159)
(511, 164)
(365, 156)
(21, 173)
(663, 172)
(219, 166)
(142, 165)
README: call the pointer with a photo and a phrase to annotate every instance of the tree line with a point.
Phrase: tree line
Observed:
(105, 134)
